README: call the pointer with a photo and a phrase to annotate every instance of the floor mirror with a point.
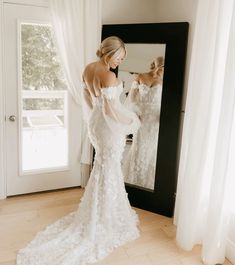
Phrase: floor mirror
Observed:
(150, 158)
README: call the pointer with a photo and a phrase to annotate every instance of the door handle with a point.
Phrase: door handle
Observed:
(12, 118)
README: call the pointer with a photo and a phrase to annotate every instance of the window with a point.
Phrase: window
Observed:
(44, 110)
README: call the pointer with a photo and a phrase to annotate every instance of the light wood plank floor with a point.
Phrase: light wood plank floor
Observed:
(21, 217)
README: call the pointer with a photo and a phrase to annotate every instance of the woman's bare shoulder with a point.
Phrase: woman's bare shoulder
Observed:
(140, 78)
(143, 75)
(98, 77)
(108, 79)
(89, 68)
(145, 78)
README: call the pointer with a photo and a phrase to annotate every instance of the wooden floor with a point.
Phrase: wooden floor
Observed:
(22, 216)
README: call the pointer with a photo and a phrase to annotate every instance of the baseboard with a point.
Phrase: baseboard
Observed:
(230, 251)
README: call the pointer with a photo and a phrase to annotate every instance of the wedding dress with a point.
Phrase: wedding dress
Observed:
(104, 219)
(139, 164)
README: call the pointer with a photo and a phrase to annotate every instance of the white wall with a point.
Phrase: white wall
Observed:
(128, 11)
(153, 11)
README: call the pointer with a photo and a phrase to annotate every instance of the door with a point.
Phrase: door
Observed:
(43, 123)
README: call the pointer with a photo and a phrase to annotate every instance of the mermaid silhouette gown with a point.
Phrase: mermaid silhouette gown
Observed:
(140, 161)
(104, 219)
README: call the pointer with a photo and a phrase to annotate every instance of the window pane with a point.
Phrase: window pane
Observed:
(44, 101)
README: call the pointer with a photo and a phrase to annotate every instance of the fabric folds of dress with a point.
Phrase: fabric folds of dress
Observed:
(139, 163)
(104, 219)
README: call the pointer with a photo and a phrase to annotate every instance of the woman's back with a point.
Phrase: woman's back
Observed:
(96, 77)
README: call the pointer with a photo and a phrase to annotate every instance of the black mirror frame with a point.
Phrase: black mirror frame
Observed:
(175, 35)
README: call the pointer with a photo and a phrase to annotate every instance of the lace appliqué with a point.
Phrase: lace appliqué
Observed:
(104, 219)
(143, 89)
(140, 163)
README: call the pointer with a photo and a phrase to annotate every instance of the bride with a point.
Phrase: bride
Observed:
(145, 98)
(104, 219)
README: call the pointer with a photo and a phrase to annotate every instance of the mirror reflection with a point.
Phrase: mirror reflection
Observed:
(142, 75)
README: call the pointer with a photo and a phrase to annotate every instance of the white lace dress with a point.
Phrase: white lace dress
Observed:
(139, 164)
(104, 219)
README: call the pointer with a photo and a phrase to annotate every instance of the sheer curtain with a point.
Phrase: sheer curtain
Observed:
(77, 26)
(206, 172)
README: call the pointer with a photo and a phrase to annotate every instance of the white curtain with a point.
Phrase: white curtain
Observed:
(206, 173)
(77, 27)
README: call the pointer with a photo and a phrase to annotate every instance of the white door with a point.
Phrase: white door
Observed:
(43, 135)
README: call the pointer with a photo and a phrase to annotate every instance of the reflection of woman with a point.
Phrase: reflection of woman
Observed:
(145, 98)
(104, 219)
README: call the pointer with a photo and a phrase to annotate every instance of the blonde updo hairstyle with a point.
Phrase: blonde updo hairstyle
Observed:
(157, 67)
(157, 63)
(109, 47)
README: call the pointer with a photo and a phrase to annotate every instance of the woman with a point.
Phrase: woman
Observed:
(145, 98)
(104, 219)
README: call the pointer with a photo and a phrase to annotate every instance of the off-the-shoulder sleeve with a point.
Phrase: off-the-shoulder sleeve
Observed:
(117, 116)
(131, 101)
(86, 103)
